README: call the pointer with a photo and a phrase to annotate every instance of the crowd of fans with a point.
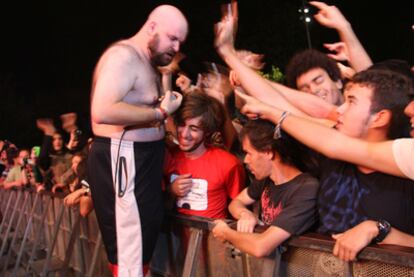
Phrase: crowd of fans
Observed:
(318, 151)
(55, 166)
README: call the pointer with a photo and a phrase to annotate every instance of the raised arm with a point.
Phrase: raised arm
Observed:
(273, 93)
(377, 156)
(308, 103)
(331, 17)
(251, 81)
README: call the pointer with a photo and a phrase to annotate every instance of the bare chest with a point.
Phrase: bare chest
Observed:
(146, 90)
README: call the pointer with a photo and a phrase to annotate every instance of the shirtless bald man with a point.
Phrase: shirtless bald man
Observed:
(126, 158)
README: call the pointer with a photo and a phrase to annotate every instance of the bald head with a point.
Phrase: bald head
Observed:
(167, 28)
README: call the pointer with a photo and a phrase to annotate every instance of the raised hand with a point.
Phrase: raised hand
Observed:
(339, 49)
(226, 29)
(69, 121)
(46, 125)
(346, 71)
(183, 82)
(171, 101)
(252, 107)
(329, 16)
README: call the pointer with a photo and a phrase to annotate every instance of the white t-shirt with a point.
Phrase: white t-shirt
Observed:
(403, 151)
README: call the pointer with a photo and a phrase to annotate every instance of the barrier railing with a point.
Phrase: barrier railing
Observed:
(42, 237)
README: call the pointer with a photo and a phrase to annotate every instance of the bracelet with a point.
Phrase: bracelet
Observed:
(164, 114)
(278, 133)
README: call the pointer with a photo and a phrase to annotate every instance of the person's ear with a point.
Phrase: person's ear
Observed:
(381, 119)
(339, 84)
(270, 155)
(151, 27)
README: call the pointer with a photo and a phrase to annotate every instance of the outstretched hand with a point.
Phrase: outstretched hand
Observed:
(329, 16)
(252, 107)
(226, 29)
(46, 125)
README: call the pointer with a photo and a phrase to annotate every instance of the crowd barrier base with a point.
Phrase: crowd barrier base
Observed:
(186, 247)
(39, 236)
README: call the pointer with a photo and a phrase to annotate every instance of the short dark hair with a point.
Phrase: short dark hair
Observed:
(197, 104)
(390, 91)
(260, 133)
(309, 59)
(399, 66)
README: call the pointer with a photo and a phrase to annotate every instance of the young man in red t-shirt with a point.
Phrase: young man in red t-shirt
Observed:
(200, 176)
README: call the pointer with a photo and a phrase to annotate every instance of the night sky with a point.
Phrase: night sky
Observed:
(49, 48)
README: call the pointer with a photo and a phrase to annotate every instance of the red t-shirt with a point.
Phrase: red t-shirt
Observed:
(217, 176)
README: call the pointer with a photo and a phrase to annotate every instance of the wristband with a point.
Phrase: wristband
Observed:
(278, 132)
(164, 113)
(384, 228)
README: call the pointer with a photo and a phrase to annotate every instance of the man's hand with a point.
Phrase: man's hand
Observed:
(171, 101)
(73, 198)
(219, 230)
(69, 121)
(330, 16)
(252, 107)
(339, 49)
(349, 244)
(173, 66)
(46, 125)
(346, 71)
(181, 185)
(226, 29)
(183, 82)
(73, 141)
(247, 222)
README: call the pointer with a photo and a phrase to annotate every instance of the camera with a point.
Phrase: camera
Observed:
(77, 134)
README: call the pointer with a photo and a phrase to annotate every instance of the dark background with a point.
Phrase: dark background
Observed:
(49, 48)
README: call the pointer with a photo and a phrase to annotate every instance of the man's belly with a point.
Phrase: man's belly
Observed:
(131, 133)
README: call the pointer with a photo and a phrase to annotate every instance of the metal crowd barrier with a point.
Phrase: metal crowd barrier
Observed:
(197, 253)
(39, 236)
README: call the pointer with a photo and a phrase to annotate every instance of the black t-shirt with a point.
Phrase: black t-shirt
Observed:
(290, 206)
(347, 197)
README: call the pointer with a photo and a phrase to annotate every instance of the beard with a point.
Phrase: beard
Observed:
(159, 58)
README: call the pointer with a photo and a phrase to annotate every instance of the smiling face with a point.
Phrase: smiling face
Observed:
(317, 82)
(354, 115)
(191, 136)
(259, 163)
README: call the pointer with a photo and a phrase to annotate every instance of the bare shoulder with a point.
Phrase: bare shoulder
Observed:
(120, 54)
